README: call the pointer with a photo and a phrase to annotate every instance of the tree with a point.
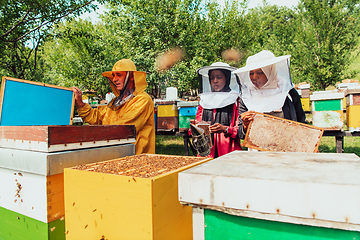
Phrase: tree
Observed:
(327, 33)
(146, 29)
(24, 25)
(76, 56)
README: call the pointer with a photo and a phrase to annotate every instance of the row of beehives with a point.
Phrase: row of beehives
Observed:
(174, 115)
(80, 187)
(328, 108)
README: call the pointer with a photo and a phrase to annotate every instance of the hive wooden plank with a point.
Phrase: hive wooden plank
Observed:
(55, 197)
(268, 133)
(64, 138)
(56, 108)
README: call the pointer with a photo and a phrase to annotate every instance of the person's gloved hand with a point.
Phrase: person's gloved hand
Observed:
(247, 117)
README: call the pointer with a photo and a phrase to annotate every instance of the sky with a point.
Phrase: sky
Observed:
(252, 3)
(287, 3)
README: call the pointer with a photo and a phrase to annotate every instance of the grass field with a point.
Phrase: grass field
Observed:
(174, 145)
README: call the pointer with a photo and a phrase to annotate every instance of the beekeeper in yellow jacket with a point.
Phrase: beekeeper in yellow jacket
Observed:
(131, 106)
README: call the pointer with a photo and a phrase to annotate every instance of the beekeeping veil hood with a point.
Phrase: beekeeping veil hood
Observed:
(228, 95)
(128, 66)
(272, 95)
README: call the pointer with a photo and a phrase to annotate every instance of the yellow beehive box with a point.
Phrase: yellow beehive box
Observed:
(353, 117)
(167, 110)
(305, 102)
(128, 198)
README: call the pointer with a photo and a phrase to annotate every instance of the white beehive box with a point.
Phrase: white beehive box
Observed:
(316, 189)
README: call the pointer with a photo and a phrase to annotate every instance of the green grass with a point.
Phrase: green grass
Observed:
(351, 145)
(170, 145)
(174, 145)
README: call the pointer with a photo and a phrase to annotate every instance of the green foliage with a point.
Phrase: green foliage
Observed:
(24, 24)
(76, 56)
(322, 37)
(327, 34)
(272, 28)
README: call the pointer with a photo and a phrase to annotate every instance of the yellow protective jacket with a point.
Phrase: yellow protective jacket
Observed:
(138, 111)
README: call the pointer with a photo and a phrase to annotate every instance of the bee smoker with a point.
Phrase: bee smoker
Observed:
(201, 140)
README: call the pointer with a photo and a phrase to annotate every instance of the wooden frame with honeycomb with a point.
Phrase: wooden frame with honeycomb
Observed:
(269, 133)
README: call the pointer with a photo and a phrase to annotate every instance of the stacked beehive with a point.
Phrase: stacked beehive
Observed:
(32, 159)
(304, 90)
(187, 111)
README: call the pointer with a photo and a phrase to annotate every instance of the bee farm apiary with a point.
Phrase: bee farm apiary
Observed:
(32, 160)
(128, 198)
(274, 195)
(268, 133)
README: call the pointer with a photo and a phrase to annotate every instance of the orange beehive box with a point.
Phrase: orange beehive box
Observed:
(128, 198)
(268, 133)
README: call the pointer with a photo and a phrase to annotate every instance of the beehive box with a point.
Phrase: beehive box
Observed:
(167, 109)
(305, 103)
(327, 101)
(353, 118)
(187, 111)
(167, 116)
(64, 138)
(327, 109)
(274, 195)
(128, 198)
(352, 96)
(32, 162)
(268, 133)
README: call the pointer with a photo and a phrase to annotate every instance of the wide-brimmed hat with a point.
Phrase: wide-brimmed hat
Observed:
(218, 65)
(123, 65)
(261, 59)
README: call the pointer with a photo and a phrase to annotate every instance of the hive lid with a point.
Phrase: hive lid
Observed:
(320, 189)
(188, 104)
(326, 95)
(304, 86)
(352, 91)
